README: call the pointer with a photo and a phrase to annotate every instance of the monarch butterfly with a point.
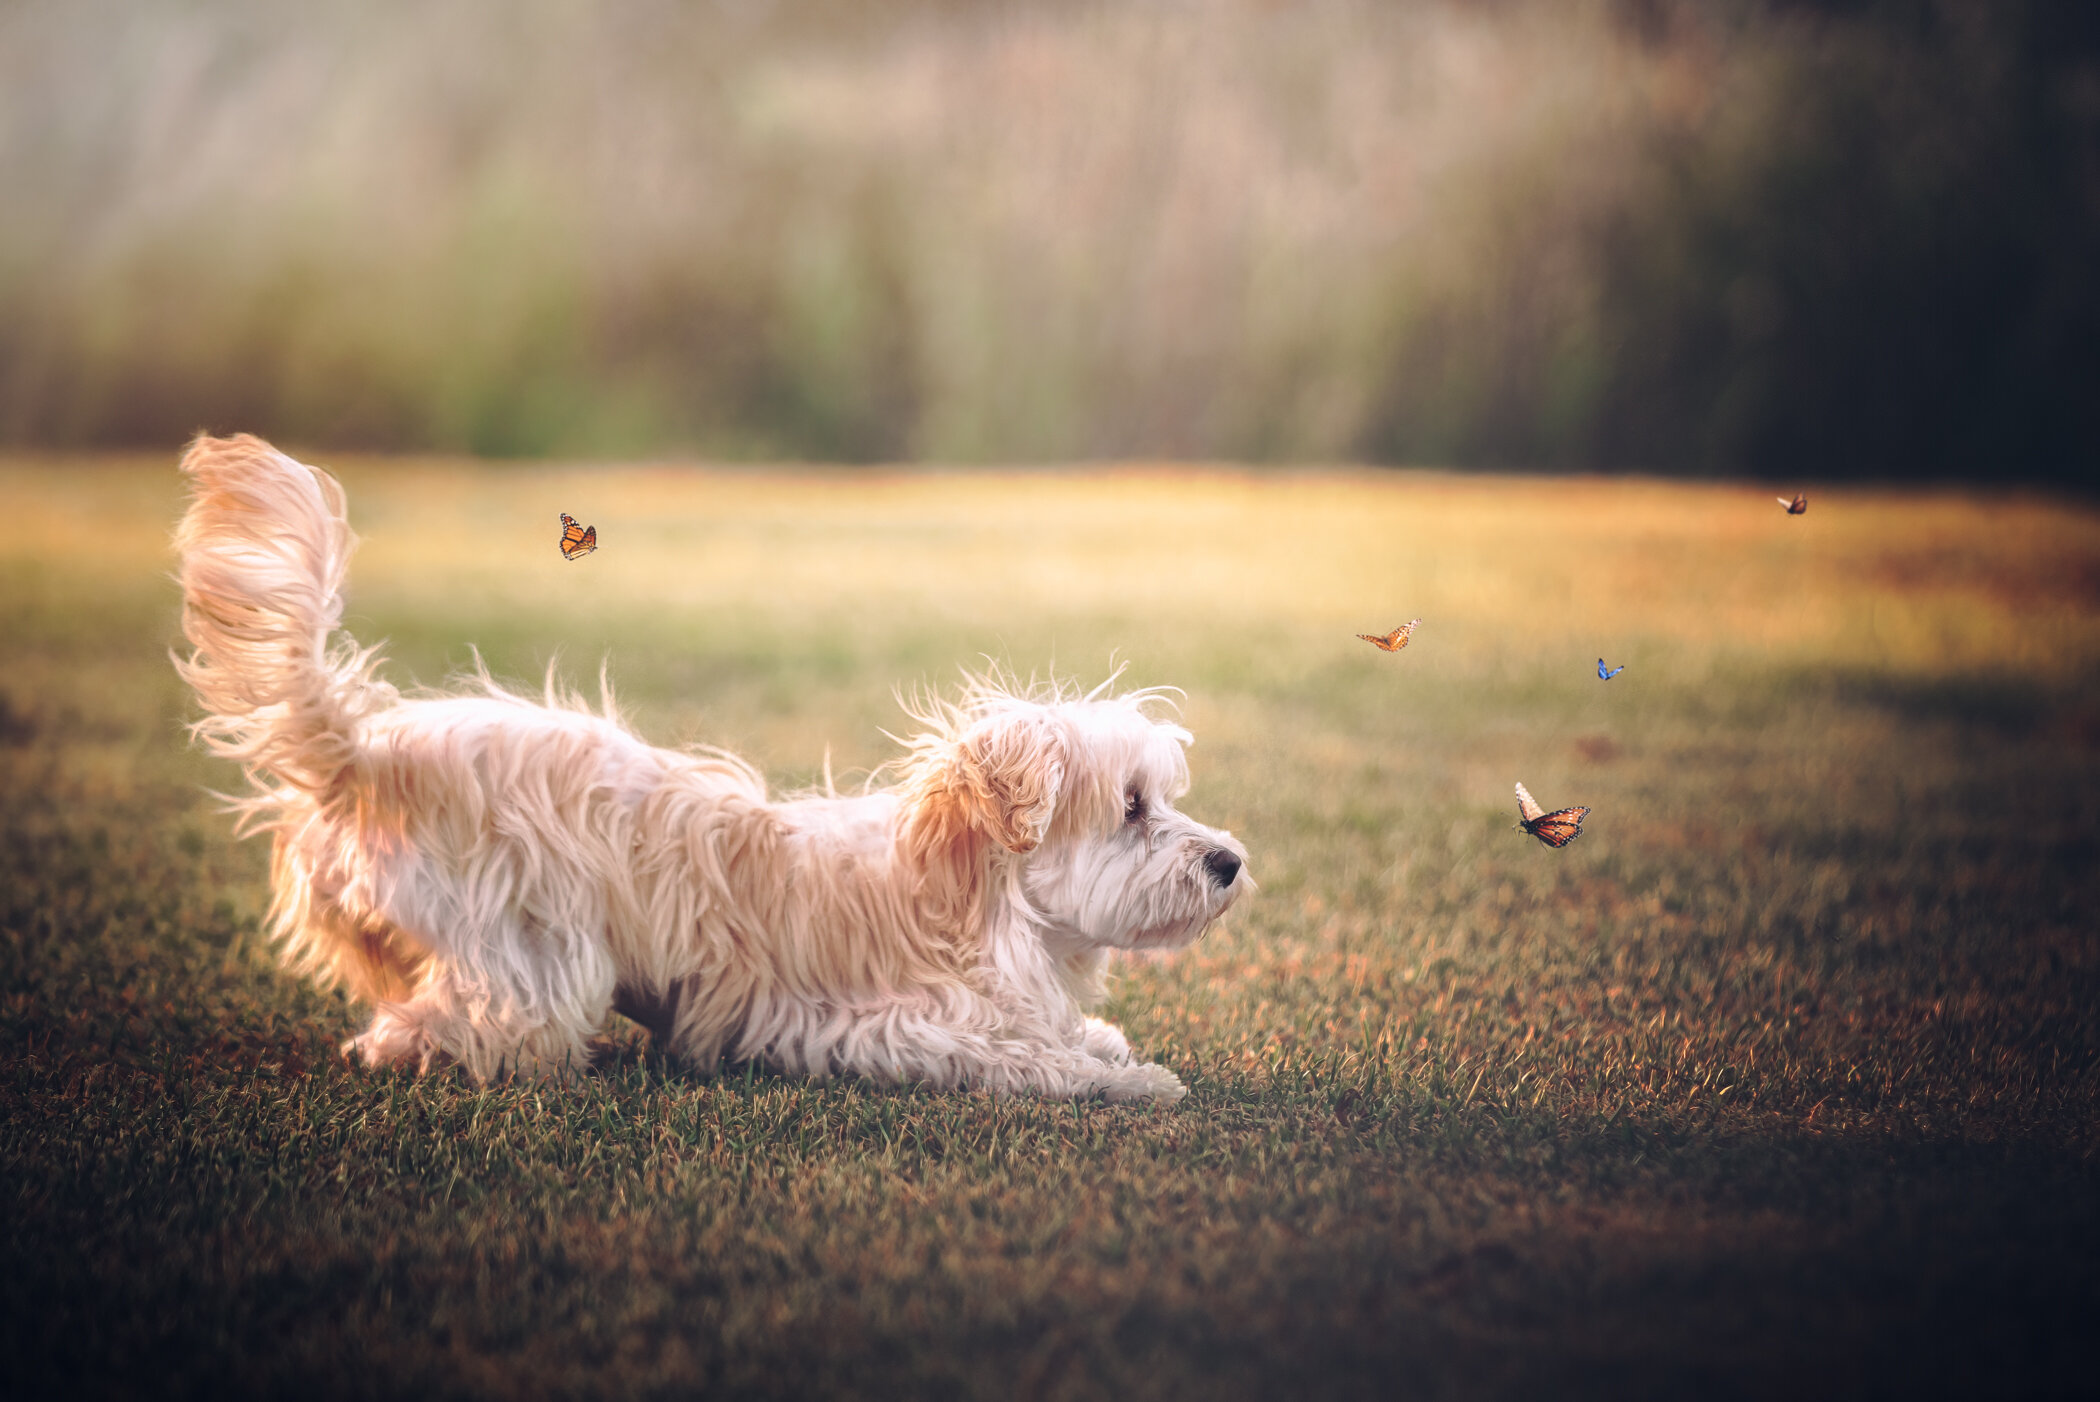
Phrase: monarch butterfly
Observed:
(576, 542)
(1604, 676)
(1393, 641)
(1555, 829)
(1797, 506)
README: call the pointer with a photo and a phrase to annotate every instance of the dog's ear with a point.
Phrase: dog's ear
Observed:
(999, 779)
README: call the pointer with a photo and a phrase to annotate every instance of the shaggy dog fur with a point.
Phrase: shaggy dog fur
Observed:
(496, 876)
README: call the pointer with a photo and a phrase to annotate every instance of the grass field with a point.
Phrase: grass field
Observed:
(1782, 1080)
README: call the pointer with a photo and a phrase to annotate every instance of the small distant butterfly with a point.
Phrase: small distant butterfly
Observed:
(1393, 641)
(1604, 676)
(576, 542)
(1555, 829)
(1797, 506)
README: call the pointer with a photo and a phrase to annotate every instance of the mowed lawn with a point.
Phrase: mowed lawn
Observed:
(1783, 1079)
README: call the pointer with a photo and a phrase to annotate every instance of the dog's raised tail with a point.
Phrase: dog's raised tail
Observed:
(264, 545)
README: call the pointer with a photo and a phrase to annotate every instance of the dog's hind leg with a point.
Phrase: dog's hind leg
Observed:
(525, 1017)
(398, 1036)
(434, 1028)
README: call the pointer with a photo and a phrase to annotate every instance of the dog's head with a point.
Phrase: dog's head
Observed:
(1078, 793)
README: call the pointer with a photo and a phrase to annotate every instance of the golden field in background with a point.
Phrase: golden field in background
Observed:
(1506, 570)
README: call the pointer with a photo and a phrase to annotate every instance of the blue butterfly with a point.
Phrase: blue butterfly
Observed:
(1604, 676)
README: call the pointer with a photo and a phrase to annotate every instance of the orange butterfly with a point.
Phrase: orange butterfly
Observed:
(1797, 506)
(1555, 829)
(1393, 641)
(576, 542)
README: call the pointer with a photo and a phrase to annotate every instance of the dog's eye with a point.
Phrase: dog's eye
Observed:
(1134, 807)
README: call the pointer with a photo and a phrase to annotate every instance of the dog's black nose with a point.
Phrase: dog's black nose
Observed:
(1222, 865)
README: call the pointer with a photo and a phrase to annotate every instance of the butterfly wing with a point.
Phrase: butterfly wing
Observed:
(1375, 641)
(590, 541)
(1528, 807)
(1560, 827)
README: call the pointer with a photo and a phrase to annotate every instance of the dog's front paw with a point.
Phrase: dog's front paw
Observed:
(1144, 1081)
(1104, 1042)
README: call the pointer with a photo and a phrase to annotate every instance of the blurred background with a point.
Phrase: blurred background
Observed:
(1806, 240)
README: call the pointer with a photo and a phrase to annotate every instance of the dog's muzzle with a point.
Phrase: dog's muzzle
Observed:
(1223, 866)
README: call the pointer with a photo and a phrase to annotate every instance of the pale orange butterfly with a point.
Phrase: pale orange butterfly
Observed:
(1393, 641)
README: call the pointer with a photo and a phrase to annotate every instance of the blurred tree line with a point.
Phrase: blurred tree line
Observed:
(1806, 240)
(1893, 270)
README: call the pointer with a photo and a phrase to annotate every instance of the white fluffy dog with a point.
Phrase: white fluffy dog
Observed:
(497, 876)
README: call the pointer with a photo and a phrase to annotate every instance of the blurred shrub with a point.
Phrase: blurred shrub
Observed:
(1818, 240)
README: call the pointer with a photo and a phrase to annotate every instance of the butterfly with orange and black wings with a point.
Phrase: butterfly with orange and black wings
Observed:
(1393, 641)
(576, 542)
(1555, 829)
(1797, 506)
